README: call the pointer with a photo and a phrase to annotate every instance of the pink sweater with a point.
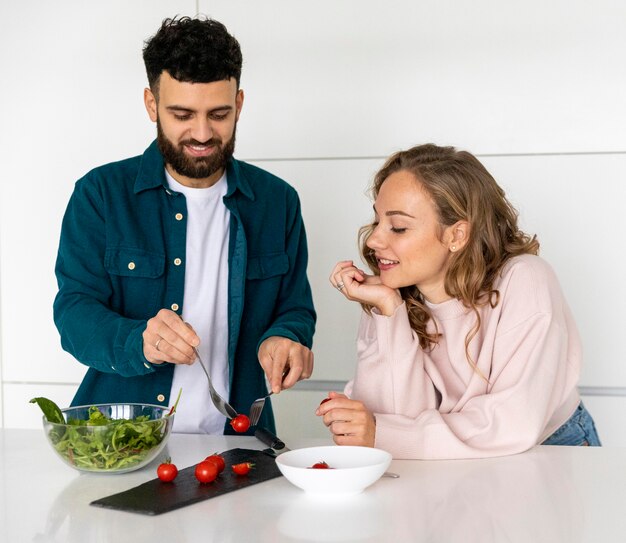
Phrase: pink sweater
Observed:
(433, 405)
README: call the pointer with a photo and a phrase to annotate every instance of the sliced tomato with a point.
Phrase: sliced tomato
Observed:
(243, 468)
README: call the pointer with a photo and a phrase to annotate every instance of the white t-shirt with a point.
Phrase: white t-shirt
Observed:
(205, 307)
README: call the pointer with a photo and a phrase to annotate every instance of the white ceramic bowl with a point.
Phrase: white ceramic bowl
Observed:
(353, 469)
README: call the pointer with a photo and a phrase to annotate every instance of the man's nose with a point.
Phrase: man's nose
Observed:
(202, 130)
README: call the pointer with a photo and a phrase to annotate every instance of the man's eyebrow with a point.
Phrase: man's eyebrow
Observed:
(394, 212)
(178, 108)
(225, 107)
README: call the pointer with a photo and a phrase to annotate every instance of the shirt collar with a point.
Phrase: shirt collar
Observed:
(151, 170)
(237, 180)
(152, 174)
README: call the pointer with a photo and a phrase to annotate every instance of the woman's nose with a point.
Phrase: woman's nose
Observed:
(374, 241)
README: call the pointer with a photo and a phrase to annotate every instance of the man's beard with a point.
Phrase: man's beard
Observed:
(195, 167)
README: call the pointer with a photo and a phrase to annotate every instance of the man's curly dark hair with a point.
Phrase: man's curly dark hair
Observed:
(192, 50)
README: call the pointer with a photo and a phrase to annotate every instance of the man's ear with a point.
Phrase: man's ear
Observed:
(459, 236)
(151, 104)
(238, 103)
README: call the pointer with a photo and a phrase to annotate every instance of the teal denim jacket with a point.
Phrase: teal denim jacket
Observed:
(123, 229)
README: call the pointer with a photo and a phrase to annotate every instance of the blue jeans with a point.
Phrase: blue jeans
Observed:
(578, 430)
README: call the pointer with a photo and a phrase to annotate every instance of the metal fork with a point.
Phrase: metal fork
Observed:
(220, 403)
(257, 408)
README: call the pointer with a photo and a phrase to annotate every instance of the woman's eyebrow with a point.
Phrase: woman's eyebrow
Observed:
(398, 212)
(394, 212)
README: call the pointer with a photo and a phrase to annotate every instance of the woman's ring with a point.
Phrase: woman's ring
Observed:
(156, 345)
(340, 286)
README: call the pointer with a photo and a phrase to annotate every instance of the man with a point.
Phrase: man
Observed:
(185, 247)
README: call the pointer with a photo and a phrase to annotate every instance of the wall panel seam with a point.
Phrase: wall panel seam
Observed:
(338, 385)
(41, 383)
(479, 155)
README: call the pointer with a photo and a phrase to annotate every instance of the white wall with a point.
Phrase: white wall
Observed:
(535, 88)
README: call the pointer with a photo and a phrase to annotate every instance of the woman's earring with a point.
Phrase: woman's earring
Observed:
(453, 248)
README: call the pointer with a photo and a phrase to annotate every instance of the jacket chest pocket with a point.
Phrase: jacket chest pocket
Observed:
(137, 277)
(264, 277)
(266, 266)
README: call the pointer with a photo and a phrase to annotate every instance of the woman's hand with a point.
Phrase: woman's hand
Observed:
(358, 286)
(348, 420)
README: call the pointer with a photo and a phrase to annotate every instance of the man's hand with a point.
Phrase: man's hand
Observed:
(167, 338)
(348, 420)
(285, 362)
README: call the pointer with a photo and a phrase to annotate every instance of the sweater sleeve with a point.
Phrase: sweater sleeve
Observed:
(530, 377)
(390, 375)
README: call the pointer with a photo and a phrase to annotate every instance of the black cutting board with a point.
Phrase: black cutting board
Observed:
(156, 497)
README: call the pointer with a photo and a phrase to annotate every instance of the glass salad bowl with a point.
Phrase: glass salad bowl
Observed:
(110, 438)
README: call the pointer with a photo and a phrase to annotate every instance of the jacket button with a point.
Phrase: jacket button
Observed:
(179, 216)
(174, 307)
(161, 397)
(131, 265)
(177, 261)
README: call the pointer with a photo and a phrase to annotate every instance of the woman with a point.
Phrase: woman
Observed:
(466, 347)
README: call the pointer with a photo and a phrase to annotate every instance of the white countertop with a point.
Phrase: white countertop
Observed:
(548, 494)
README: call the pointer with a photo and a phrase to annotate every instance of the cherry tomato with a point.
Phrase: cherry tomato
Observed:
(243, 468)
(167, 471)
(240, 423)
(206, 472)
(320, 465)
(324, 400)
(218, 460)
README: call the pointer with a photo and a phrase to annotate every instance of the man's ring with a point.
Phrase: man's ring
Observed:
(340, 286)
(156, 345)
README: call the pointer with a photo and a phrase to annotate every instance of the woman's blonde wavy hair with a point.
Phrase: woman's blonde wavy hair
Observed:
(462, 190)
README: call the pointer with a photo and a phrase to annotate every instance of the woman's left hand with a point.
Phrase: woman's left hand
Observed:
(348, 420)
(358, 286)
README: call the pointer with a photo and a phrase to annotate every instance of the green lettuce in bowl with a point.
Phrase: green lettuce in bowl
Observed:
(107, 438)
